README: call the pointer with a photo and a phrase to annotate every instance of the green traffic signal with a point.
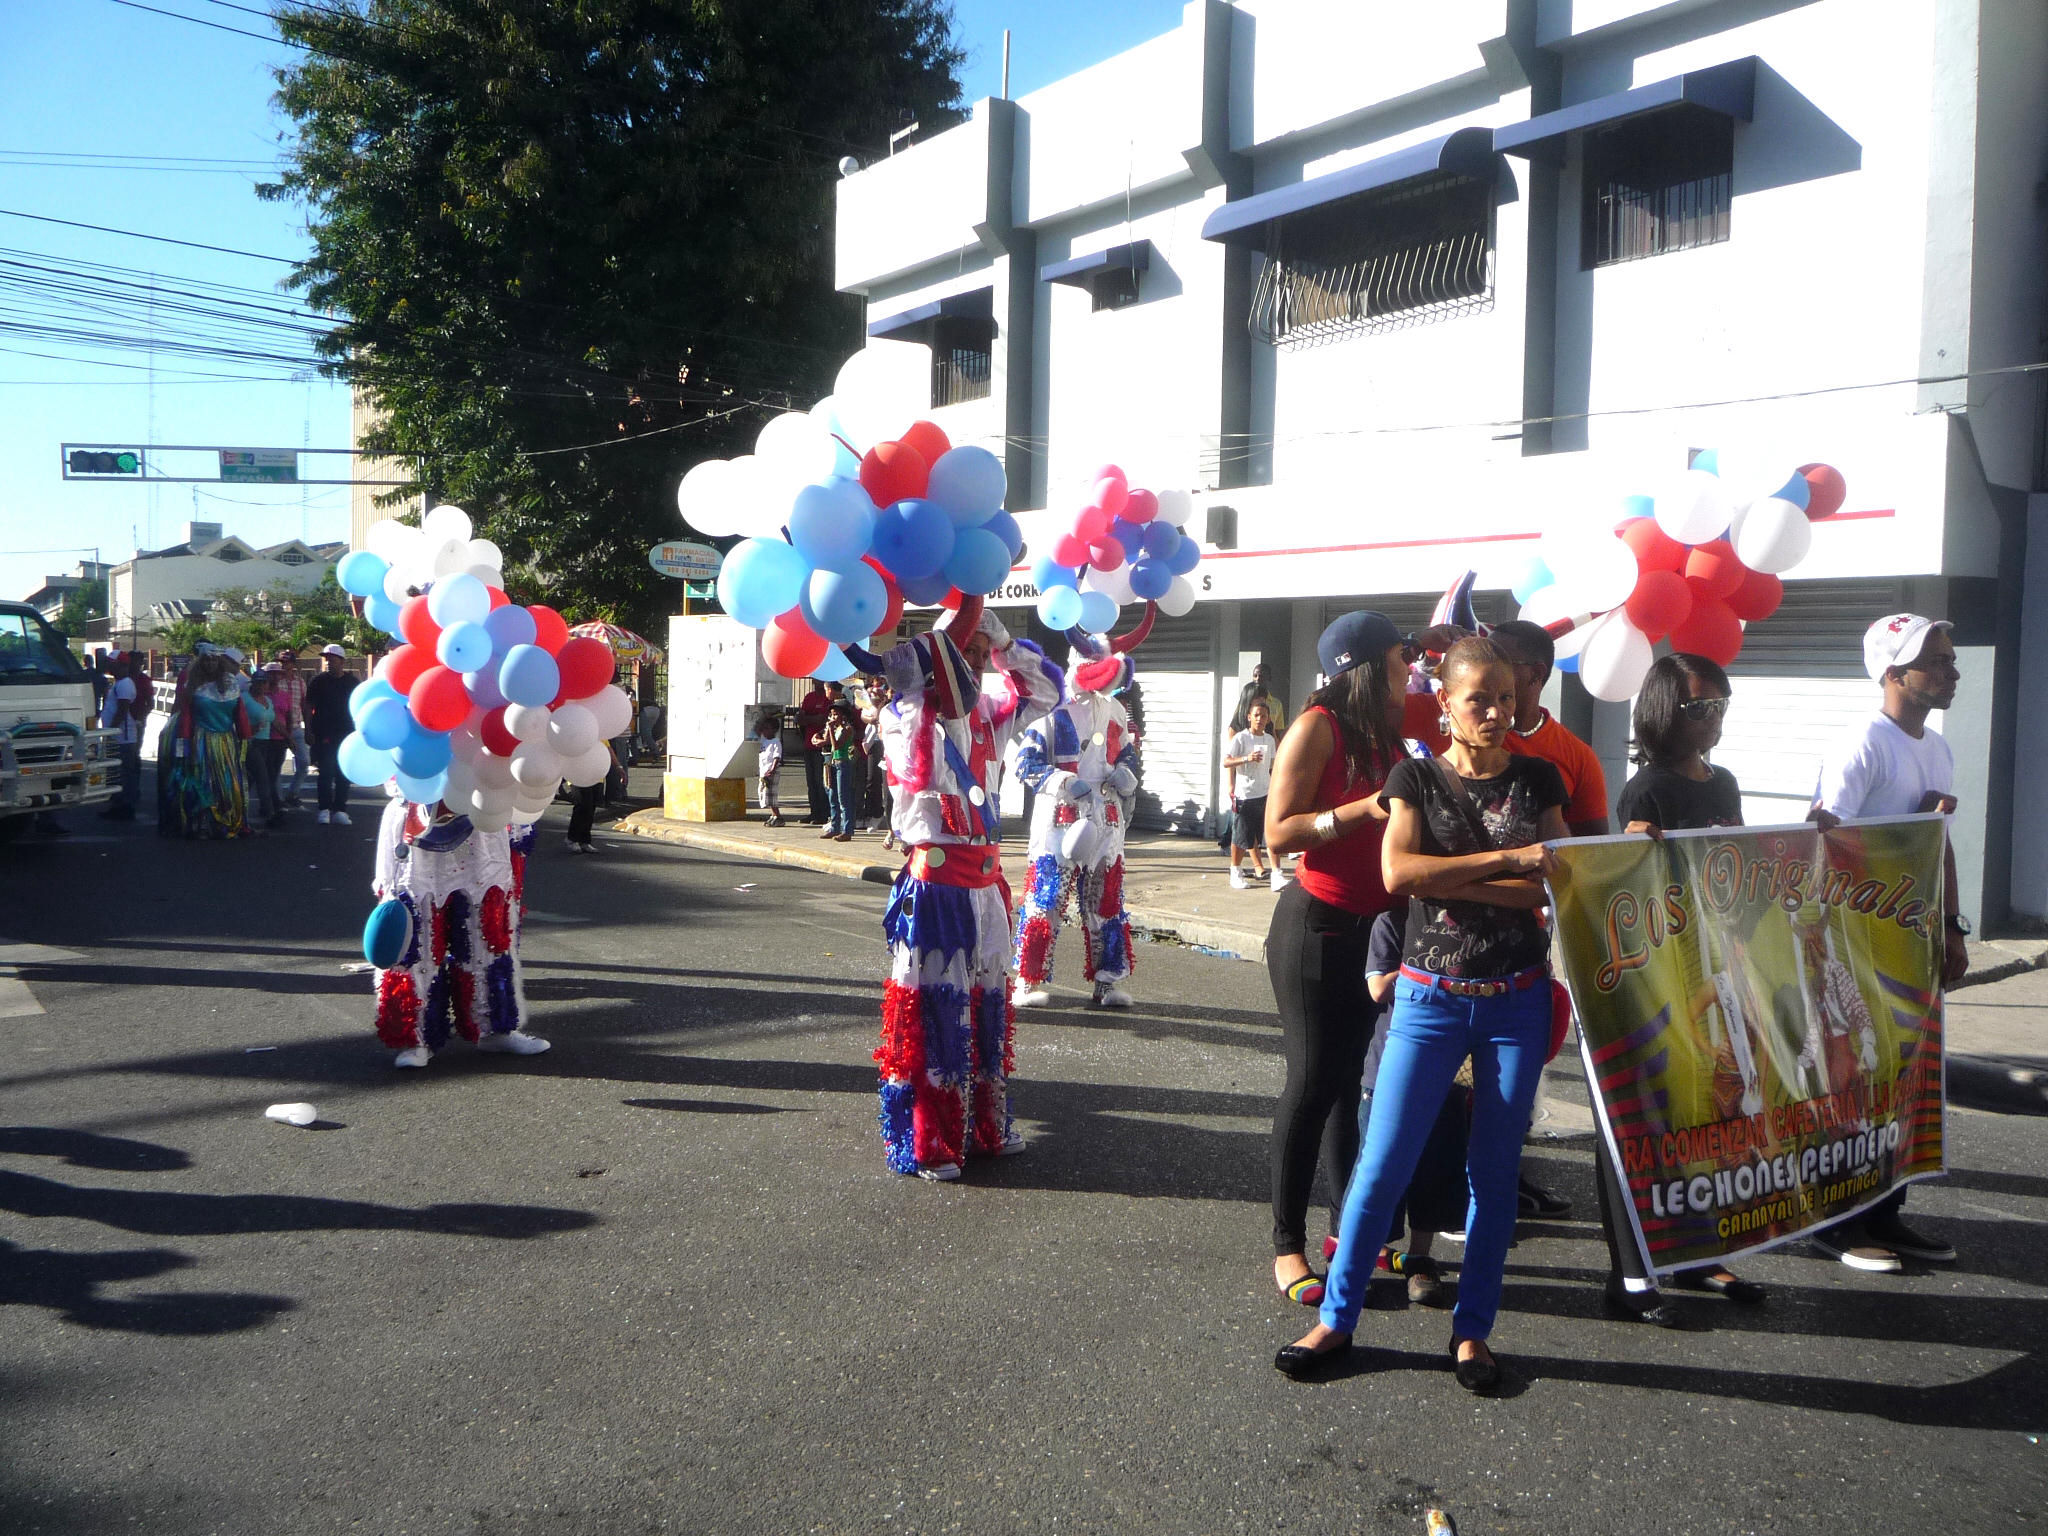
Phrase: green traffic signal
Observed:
(85, 462)
(126, 463)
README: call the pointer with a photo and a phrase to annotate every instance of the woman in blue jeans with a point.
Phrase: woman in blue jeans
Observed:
(1466, 843)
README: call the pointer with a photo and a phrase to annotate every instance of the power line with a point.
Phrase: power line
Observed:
(200, 21)
(136, 234)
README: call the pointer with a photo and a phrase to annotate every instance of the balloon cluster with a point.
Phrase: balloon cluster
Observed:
(1125, 545)
(1694, 564)
(486, 705)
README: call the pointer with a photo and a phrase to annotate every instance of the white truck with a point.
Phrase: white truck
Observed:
(53, 754)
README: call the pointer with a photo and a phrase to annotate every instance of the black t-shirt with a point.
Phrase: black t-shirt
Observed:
(1382, 956)
(327, 717)
(1475, 938)
(1673, 802)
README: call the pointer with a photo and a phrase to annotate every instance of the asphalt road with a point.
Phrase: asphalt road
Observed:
(658, 1280)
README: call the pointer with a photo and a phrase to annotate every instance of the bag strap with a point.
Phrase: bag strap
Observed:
(1461, 798)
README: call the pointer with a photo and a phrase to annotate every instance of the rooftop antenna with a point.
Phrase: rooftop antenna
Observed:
(1006, 63)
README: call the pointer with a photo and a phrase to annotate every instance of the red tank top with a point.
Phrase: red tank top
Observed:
(1345, 873)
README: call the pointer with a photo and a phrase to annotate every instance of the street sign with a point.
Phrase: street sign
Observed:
(686, 561)
(259, 466)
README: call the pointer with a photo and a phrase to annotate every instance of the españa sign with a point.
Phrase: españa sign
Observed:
(1760, 1019)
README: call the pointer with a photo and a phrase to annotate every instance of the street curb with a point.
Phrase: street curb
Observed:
(2000, 1082)
(1198, 932)
(692, 834)
(2015, 957)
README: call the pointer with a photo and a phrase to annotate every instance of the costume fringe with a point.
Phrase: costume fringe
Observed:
(398, 1009)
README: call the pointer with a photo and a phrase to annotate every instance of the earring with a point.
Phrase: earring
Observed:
(1443, 725)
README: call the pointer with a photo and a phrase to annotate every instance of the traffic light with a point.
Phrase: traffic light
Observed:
(124, 462)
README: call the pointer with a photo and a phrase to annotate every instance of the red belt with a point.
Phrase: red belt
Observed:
(969, 865)
(1491, 986)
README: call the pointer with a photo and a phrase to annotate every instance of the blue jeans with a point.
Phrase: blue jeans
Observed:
(842, 790)
(1432, 1031)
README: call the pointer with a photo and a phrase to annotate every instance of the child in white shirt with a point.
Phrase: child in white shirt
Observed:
(768, 738)
(1250, 757)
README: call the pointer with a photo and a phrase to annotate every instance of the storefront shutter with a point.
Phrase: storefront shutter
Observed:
(1179, 731)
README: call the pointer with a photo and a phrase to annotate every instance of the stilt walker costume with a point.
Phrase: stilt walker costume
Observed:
(945, 1053)
(1081, 761)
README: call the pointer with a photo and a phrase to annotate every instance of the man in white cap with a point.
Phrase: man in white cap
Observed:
(327, 722)
(1893, 765)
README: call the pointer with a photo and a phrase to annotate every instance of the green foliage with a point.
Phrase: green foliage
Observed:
(547, 226)
(84, 603)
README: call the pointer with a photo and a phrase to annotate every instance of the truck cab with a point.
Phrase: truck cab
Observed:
(53, 753)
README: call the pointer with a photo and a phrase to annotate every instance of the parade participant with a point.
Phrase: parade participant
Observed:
(209, 796)
(1466, 841)
(463, 891)
(1081, 764)
(945, 1054)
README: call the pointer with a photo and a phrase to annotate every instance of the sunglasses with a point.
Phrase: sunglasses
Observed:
(1703, 709)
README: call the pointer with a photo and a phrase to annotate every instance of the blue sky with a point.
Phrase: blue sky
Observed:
(89, 78)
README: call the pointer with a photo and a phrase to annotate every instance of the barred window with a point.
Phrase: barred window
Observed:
(963, 356)
(291, 557)
(1657, 184)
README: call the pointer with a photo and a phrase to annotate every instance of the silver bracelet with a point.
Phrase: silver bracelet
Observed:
(1326, 827)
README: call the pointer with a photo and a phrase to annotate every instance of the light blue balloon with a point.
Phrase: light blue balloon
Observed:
(979, 563)
(362, 763)
(424, 791)
(509, 626)
(1708, 459)
(369, 693)
(1159, 540)
(969, 484)
(845, 606)
(1185, 557)
(384, 723)
(483, 687)
(424, 754)
(528, 675)
(913, 538)
(1532, 578)
(835, 668)
(1150, 579)
(458, 599)
(832, 524)
(759, 579)
(361, 572)
(1568, 663)
(1098, 612)
(1638, 506)
(924, 591)
(1796, 490)
(1047, 573)
(1004, 527)
(1059, 607)
(382, 612)
(463, 647)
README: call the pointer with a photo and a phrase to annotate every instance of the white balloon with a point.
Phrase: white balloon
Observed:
(534, 801)
(701, 498)
(1597, 572)
(526, 722)
(535, 766)
(572, 731)
(446, 524)
(461, 781)
(525, 816)
(1179, 599)
(590, 767)
(1175, 507)
(796, 450)
(465, 743)
(450, 556)
(613, 709)
(493, 771)
(1771, 535)
(881, 389)
(484, 552)
(759, 502)
(1616, 660)
(1114, 585)
(489, 575)
(1696, 508)
(391, 539)
(397, 584)
(494, 818)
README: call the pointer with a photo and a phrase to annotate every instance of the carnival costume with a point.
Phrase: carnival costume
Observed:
(208, 796)
(946, 1047)
(463, 892)
(1081, 761)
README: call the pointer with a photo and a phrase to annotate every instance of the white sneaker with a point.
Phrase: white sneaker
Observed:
(945, 1173)
(413, 1056)
(1278, 881)
(513, 1042)
(573, 846)
(1109, 995)
(1238, 881)
(326, 817)
(341, 819)
(1013, 1143)
(1028, 996)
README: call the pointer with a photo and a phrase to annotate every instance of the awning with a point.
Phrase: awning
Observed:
(1728, 89)
(980, 303)
(1135, 257)
(1467, 152)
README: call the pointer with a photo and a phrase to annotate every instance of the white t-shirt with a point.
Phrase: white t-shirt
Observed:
(1878, 770)
(1248, 781)
(114, 712)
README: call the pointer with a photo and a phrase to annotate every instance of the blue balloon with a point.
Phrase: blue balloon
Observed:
(382, 612)
(1159, 540)
(1130, 535)
(759, 579)
(483, 687)
(1796, 490)
(1047, 573)
(924, 591)
(1568, 663)
(388, 934)
(1708, 459)
(509, 626)
(424, 754)
(1531, 578)
(1150, 579)
(1004, 527)
(979, 562)
(529, 676)
(832, 524)
(969, 484)
(369, 693)
(845, 606)
(384, 723)
(361, 572)
(1638, 506)
(835, 668)
(1187, 554)
(422, 791)
(1098, 612)
(458, 599)
(464, 646)
(913, 538)
(1059, 607)
(362, 763)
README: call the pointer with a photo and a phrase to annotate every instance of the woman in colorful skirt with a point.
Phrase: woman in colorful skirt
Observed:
(208, 795)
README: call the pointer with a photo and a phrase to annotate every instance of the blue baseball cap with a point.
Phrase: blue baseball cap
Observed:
(1354, 638)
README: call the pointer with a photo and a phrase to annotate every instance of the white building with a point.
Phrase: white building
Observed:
(1590, 235)
(157, 587)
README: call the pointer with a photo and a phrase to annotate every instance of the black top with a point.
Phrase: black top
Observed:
(1382, 955)
(1673, 802)
(327, 717)
(1475, 938)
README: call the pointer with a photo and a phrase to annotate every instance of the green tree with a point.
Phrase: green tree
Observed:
(575, 248)
(82, 604)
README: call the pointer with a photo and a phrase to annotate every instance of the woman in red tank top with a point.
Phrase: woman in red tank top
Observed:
(1324, 803)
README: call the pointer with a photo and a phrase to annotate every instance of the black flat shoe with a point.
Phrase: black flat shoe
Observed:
(1620, 1303)
(1535, 1200)
(1744, 1293)
(1299, 1364)
(1479, 1377)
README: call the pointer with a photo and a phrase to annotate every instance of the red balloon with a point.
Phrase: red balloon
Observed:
(402, 666)
(891, 472)
(1715, 570)
(1070, 551)
(417, 625)
(438, 700)
(1105, 554)
(1140, 507)
(893, 614)
(550, 629)
(587, 665)
(498, 597)
(790, 647)
(929, 442)
(1091, 524)
(496, 737)
(1825, 489)
(1655, 549)
(1660, 603)
(1111, 491)
(1758, 596)
(1710, 630)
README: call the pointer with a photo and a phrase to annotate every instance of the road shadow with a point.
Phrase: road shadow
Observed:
(68, 1284)
(88, 1149)
(710, 1107)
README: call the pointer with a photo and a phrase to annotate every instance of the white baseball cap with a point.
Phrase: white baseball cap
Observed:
(333, 650)
(1895, 641)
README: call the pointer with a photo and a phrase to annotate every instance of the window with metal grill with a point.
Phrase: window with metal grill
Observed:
(1657, 184)
(963, 355)
(1415, 254)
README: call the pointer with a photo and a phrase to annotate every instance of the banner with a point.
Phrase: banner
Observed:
(1760, 1020)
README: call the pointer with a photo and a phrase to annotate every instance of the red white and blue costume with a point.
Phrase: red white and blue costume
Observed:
(947, 1026)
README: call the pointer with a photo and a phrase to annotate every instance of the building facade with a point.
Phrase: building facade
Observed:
(157, 587)
(1394, 289)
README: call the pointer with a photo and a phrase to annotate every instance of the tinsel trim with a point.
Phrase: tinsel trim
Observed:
(463, 987)
(1034, 948)
(939, 1124)
(398, 1009)
(411, 957)
(501, 995)
(1114, 963)
(496, 921)
(438, 941)
(899, 1144)
(434, 1029)
(947, 1048)
(1112, 903)
(455, 940)
(995, 1028)
(901, 1053)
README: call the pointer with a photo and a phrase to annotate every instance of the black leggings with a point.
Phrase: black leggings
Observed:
(1315, 954)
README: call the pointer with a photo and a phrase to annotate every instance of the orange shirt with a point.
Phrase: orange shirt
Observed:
(1584, 779)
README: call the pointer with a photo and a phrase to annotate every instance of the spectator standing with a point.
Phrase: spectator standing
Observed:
(1259, 685)
(209, 797)
(327, 722)
(583, 800)
(876, 772)
(768, 742)
(291, 712)
(842, 786)
(812, 715)
(1249, 757)
(1894, 765)
(257, 769)
(278, 741)
(126, 706)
